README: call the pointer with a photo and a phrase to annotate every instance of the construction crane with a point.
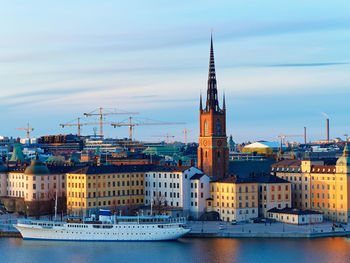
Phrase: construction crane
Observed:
(186, 131)
(78, 124)
(128, 122)
(101, 114)
(28, 130)
(167, 137)
(283, 136)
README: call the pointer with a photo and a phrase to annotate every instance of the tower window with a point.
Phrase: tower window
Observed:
(206, 128)
(218, 154)
(218, 127)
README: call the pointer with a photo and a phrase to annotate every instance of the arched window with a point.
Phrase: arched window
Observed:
(206, 154)
(218, 153)
(218, 128)
(206, 128)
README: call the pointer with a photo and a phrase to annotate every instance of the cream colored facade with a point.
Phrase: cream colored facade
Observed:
(274, 195)
(35, 187)
(325, 187)
(234, 199)
(296, 217)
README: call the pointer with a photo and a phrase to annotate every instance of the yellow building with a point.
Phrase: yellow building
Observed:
(323, 188)
(234, 198)
(94, 187)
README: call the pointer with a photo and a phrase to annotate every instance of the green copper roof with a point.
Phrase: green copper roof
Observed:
(36, 168)
(162, 150)
(345, 158)
(17, 154)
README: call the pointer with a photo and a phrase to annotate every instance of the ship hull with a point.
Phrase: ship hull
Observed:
(87, 232)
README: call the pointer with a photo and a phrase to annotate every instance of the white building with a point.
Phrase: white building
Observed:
(295, 216)
(180, 188)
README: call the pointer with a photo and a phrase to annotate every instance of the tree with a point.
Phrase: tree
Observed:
(160, 204)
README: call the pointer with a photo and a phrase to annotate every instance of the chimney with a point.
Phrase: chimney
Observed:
(304, 135)
(327, 130)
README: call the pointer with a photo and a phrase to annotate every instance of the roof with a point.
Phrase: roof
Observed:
(197, 176)
(287, 163)
(328, 169)
(180, 169)
(270, 179)
(263, 144)
(36, 168)
(109, 169)
(293, 211)
(234, 180)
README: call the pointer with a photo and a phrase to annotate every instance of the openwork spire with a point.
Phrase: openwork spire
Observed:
(212, 93)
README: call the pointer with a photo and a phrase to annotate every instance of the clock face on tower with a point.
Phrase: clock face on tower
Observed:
(219, 143)
(205, 142)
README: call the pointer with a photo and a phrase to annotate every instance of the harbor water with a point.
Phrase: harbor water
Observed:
(184, 250)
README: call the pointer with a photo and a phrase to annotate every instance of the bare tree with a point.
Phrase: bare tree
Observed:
(160, 205)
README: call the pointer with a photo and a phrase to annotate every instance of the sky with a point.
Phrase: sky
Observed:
(281, 65)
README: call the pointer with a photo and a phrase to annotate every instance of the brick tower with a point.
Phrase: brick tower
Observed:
(212, 150)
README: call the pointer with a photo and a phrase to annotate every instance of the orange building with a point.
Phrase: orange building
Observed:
(212, 150)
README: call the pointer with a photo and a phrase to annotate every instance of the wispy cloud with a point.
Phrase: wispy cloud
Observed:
(310, 64)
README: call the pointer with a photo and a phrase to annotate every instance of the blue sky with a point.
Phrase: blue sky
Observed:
(280, 63)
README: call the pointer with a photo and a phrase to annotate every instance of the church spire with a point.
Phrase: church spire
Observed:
(200, 102)
(212, 93)
(224, 102)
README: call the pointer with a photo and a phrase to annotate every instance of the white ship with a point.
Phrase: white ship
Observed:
(107, 228)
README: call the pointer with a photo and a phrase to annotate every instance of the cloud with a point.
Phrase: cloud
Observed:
(309, 64)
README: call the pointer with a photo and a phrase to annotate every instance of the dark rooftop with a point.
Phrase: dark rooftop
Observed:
(197, 176)
(109, 169)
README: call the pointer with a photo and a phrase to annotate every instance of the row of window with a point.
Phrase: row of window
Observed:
(232, 189)
(171, 185)
(165, 194)
(252, 197)
(105, 203)
(325, 205)
(106, 193)
(94, 177)
(171, 176)
(240, 205)
(323, 196)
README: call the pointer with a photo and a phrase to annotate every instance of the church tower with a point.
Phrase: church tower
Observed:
(212, 150)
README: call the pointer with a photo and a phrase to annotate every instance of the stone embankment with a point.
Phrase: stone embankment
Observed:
(262, 230)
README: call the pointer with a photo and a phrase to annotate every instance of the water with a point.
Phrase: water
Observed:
(332, 250)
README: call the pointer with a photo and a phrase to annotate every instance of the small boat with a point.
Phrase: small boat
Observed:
(105, 227)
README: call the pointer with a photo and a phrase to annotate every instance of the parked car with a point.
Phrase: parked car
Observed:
(233, 222)
(221, 227)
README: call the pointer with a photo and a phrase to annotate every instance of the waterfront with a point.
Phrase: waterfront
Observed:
(185, 250)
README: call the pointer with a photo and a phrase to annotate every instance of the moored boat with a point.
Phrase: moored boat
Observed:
(105, 228)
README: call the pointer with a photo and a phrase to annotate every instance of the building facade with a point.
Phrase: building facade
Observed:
(295, 216)
(234, 198)
(212, 151)
(180, 189)
(105, 186)
(274, 192)
(33, 189)
(320, 187)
